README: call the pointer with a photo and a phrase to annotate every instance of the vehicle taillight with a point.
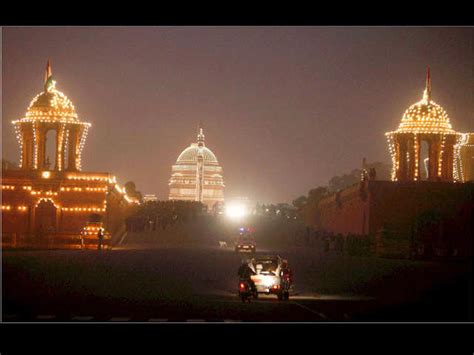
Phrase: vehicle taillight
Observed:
(276, 286)
(242, 285)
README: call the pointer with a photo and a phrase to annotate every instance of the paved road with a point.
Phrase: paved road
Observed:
(167, 284)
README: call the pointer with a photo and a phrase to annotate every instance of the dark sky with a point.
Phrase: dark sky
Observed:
(283, 108)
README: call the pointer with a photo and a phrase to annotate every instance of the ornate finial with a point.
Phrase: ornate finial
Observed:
(48, 77)
(200, 137)
(427, 92)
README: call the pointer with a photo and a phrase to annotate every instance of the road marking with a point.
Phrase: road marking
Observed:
(158, 319)
(45, 316)
(322, 315)
(82, 318)
(195, 320)
(119, 319)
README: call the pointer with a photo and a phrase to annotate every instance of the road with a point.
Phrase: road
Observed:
(199, 284)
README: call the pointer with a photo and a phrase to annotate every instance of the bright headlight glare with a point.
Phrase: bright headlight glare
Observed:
(236, 211)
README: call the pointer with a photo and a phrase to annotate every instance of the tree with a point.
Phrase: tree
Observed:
(340, 182)
(311, 209)
(300, 202)
(131, 190)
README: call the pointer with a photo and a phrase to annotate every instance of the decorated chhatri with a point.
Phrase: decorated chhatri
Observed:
(51, 110)
(424, 121)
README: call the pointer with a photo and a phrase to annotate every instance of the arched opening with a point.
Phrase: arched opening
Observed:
(50, 149)
(45, 218)
(424, 161)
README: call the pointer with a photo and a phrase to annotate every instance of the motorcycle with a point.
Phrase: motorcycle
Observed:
(246, 292)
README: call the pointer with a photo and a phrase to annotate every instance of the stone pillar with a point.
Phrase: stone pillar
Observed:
(58, 151)
(28, 149)
(409, 159)
(78, 153)
(73, 143)
(60, 145)
(41, 146)
(413, 158)
(401, 143)
(415, 161)
(434, 151)
(448, 159)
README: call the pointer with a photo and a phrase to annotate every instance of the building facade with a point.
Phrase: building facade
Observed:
(197, 175)
(436, 216)
(48, 205)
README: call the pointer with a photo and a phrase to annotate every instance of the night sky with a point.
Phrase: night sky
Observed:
(283, 108)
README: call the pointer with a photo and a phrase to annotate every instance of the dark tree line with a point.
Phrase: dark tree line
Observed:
(156, 215)
(279, 210)
(131, 190)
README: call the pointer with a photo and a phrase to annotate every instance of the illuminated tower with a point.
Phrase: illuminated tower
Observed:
(51, 110)
(424, 121)
(197, 175)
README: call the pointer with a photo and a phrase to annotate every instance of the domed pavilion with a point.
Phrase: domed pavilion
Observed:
(424, 121)
(51, 110)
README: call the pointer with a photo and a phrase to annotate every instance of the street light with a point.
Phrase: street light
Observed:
(236, 211)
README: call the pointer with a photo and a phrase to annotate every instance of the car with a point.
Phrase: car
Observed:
(245, 244)
(273, 276)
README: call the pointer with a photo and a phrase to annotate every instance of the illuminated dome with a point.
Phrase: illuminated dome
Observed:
(191, 153)
(425, 116)
(52, 105)
(197, 175)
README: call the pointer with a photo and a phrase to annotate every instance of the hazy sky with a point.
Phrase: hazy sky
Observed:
(283, 108)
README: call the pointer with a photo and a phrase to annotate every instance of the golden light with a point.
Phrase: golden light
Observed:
(46, 174)
(236, 211)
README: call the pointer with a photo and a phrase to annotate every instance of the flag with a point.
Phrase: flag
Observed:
(48, 77)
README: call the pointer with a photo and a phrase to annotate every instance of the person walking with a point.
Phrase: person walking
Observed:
(245, 273)
(100, 235)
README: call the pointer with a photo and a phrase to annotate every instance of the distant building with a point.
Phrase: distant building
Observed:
(47, 203)
(197, 175)
(150, 198)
